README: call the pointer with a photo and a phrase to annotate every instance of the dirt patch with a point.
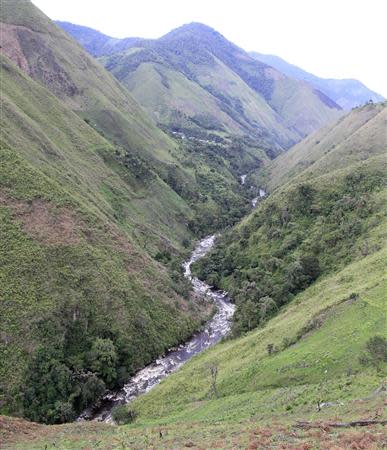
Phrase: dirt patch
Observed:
(30, 51)
(10, 46)
(11, 428)
(45, 222)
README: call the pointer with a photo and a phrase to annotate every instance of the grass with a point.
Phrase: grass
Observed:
(318, 365)
(357, 136)
(77, 235)
(252, 434)
(261, 397)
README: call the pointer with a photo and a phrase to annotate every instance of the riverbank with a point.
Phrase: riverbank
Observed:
(145, 379)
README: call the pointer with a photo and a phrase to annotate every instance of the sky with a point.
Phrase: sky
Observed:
(330, 38)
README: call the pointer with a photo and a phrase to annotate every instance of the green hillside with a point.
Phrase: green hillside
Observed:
(50, 56)
(74, 270)
(357, 136)
(311, 226)
(195, 77)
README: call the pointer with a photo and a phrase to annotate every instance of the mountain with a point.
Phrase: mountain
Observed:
(355, 138)
(95, 42)
(87, 221)
(205, 175)
(326, 194)
(347, 93)
(193, 80)
(307, 270)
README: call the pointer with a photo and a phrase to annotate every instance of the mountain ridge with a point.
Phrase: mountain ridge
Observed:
(248, 96)
(348, 93)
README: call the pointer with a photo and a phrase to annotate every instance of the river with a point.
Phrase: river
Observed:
(148, 377)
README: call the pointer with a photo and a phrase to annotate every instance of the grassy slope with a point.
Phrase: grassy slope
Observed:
(72, 239)
(59, 63)
(357, 135)
(177, 93)
(249, 96)
(318, 338)
(162, 97)
(261, 396)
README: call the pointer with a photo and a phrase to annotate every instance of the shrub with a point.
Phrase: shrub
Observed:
(122, 415)
(376, 352)
(103, 358)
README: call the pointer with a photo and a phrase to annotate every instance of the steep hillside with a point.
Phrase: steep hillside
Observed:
(311, 226)
(346, 93)
(356, 137)
(51, 57)
(200, 68)
(75, 291)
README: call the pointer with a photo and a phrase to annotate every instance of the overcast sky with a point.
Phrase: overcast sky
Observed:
(330, 38)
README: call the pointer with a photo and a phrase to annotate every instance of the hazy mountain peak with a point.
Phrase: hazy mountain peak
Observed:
(196, 27)
(348, 93)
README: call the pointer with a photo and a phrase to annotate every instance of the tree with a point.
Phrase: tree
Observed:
(302, 272)
(122, 415)
(249, 315)
(266, 306)
(90, 389)
(49, 386)
(103, 358)
(311, 267)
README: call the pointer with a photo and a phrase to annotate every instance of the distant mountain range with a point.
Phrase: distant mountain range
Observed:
(193, 77)
(348, 93)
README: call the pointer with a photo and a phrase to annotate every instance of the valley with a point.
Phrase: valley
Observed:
(213, 331)
(193, 244)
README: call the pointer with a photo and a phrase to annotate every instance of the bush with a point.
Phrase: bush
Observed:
(376, 352)
(103, 358)
(122, 415)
